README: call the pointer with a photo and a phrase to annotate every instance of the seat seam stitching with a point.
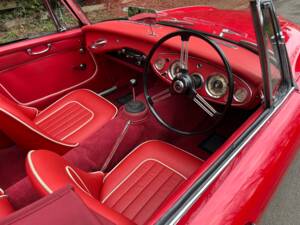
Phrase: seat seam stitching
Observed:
(144, 172)
(50, 122)
(69, 125)
(149, 182)
(59, 123)
(137, 213)
(133, 171)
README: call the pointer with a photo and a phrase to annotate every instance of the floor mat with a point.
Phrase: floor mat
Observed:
(212, 143)
(12, 166)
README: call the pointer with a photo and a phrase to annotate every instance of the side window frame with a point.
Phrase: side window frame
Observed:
(258, 8)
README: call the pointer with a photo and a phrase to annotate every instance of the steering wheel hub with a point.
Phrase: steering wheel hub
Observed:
(182, 84)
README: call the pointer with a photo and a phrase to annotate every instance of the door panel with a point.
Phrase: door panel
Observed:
(33, 71)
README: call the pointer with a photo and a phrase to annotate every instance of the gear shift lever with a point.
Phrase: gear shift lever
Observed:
(134, 106)
(133, 84)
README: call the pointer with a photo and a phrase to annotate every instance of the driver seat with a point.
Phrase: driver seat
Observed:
(131, 192)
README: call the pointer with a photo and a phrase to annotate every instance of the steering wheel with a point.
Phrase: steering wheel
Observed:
(185, 84)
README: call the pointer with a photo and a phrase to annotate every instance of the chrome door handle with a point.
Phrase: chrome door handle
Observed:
(99, 43)
(30, 52)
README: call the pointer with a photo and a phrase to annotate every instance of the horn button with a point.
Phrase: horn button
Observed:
(182, 84)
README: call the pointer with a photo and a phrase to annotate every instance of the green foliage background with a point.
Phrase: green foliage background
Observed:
(29, 18)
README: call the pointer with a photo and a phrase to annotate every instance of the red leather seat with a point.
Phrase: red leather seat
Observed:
(128, 194)
(61, 126)
(5, 206)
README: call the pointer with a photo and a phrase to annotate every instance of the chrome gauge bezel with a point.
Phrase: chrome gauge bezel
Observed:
(162, 66)
(221, 78)
(237, 99)
(171, 73)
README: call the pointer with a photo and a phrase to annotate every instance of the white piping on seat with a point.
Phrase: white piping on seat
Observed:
(36, 111)
(85, 190)
(58, 109)
(61, 107)
(37, 132)
(72, 92)
(3, 196)
(1, 191)
(133, 171)
(97, 172)
(56, 93)
(137, 147)
(35, 173)
(104, 99)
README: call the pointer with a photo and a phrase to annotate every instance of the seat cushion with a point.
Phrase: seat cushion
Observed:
(146, 178)
(75, 116)
(133, 190)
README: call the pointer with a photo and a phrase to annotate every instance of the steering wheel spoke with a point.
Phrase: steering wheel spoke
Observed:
(205, 106)
(184, 52)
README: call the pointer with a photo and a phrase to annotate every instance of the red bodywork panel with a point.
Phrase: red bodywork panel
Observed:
(240, 194)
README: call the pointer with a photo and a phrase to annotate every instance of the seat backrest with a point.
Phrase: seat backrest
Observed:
(17, 123)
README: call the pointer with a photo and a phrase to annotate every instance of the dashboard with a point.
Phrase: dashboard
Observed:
(131, 44)
(214, 82)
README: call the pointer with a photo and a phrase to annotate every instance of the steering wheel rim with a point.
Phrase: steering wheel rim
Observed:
(147, 70)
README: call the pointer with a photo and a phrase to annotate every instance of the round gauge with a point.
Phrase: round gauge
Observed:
(216, 86)
(174, 69)
(240, 95)
(160, 64)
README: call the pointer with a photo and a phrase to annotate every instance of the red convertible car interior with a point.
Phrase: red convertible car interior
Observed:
(174, 116)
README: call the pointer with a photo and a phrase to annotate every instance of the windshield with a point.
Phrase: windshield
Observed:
(98, 10)
(207, 16)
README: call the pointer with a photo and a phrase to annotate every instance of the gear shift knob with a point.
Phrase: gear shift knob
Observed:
(133, 83)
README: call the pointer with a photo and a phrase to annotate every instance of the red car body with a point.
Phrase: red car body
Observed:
(241, 192)
(238, 194)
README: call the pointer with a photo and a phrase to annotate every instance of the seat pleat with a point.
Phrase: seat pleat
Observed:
(144, 191)
(128, 184)
(153, 203)
(66, 120)
(68, 127)
(127, 199)
(59, 115)
(61, 122)
(147, 193)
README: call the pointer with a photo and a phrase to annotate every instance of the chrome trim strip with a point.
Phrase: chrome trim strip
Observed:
(208, 182)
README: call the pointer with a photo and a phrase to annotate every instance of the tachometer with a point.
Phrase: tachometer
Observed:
(174, 69)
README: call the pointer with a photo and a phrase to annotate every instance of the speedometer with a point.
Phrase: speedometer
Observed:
(216, 86)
